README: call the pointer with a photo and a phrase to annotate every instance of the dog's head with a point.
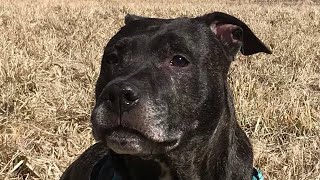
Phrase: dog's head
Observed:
(162, 79)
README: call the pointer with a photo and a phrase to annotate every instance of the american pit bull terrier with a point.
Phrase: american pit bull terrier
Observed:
(163, 108)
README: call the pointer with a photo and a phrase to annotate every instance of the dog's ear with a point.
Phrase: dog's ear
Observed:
(131, 17)
(234, 34)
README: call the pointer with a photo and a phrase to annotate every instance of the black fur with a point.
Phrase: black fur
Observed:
(149, 111)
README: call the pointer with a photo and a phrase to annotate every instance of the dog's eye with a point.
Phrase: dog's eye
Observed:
(179, 61)
(112, 59)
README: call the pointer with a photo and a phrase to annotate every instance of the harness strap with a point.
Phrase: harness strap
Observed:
(257, 174)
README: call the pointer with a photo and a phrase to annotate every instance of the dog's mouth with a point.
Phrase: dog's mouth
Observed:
(123, 140)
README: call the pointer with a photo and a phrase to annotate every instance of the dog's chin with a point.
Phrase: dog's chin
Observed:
(123, 141)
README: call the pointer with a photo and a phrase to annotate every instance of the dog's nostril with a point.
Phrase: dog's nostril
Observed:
(122, 97)
(131, 95)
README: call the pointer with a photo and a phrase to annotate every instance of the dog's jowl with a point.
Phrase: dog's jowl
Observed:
(163, 106)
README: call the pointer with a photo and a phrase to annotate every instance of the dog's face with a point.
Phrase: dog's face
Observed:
(162, 79)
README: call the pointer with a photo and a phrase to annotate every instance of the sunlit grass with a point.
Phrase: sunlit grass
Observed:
(49, 61)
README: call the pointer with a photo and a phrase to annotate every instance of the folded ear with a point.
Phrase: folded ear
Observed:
(131, 17)
(234, 34)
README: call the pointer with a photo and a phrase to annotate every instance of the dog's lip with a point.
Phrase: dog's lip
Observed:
(122, 136)
(128, 132)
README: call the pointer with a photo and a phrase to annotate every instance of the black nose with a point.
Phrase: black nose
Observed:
(122, 97)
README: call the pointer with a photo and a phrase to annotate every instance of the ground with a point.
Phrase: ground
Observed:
(49, 61)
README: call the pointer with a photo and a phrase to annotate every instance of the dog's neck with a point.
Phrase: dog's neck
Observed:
(228, 156)
(212, 159)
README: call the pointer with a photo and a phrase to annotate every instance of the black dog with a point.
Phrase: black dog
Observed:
(163, 106)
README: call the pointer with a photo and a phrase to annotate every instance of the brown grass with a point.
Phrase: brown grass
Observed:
(49, 62)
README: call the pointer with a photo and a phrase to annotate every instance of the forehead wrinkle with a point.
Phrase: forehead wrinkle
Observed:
(169, 42)
(179, 36)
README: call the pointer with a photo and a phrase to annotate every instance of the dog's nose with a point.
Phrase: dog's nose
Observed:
(122, 97)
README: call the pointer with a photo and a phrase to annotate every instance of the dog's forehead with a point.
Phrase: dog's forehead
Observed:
(156, 30)
(155, 26)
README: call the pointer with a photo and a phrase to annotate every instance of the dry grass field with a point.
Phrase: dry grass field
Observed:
(49, 61)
